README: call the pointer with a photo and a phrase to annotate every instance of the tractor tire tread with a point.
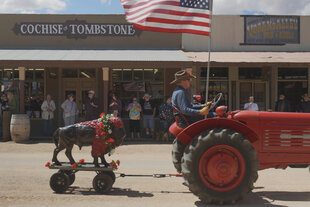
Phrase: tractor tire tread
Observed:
(195, 150)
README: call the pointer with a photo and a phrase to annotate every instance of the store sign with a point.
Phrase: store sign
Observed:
(74, 29)
(271, 30)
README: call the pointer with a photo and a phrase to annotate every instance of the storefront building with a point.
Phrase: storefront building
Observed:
(260, 56)
(62, 54)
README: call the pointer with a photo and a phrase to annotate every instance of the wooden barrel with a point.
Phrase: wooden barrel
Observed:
(20, 127)
(6, 125)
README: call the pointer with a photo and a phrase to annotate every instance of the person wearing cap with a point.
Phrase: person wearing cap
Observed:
(91, 106)
(148, 112)
(196, 99)
(182, 103)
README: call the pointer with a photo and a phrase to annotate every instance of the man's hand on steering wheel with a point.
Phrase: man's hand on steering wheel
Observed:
(208, 104)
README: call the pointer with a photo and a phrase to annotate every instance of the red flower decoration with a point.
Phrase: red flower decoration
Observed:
(118, 162)
(103, 133)
(81, 161)
(101, 115)
(74, 165)
(47, 164)
(101, 125)
(113, 164)
(110, 140)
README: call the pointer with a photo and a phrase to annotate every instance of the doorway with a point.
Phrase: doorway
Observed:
(79, 86)
(258, 89)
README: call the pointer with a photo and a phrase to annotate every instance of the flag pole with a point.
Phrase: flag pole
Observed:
(209, 51)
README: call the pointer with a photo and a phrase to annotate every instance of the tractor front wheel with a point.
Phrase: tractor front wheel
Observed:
(220, 166)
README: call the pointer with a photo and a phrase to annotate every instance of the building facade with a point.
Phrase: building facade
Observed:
(261, 56)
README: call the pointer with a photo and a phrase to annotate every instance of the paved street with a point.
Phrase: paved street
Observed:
(24, 181)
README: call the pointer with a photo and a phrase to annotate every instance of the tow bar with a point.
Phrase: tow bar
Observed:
(153, 175)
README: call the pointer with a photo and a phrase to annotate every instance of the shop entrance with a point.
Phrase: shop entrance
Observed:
(258, 89)
(79, 87)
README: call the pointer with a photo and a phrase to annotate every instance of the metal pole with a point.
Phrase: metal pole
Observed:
(209, 51)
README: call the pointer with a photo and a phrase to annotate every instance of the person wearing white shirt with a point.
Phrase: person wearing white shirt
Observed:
(251, 106)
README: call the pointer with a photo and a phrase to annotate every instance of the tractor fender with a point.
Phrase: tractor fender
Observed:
(197, 128)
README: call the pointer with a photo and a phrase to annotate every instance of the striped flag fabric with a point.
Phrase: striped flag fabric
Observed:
(172, 16)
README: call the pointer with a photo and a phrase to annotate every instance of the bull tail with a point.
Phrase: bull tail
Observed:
(56, 137)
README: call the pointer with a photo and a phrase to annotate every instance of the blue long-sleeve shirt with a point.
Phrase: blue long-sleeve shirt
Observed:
(181, 100)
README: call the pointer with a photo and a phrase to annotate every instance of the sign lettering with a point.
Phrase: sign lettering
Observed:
(271, 30)
(75, 29)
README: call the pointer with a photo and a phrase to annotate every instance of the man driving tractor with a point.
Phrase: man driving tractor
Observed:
(185, 112)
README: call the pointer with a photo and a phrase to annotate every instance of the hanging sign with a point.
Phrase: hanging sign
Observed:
(271, 30)
(76, 29)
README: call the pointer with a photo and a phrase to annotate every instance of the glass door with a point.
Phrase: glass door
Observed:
(257, 89)
(79, 82)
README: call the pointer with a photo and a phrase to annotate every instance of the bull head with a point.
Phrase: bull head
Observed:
(118, 132)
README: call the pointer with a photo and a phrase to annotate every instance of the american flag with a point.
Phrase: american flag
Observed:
(172, 16)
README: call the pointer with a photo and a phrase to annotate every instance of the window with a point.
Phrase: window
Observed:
(69, 73)
(293, 83)
(10, 82)
(250, 73)
(292, 73)
(129, 83)
(34, 91)
(88, 73)
(218, 83)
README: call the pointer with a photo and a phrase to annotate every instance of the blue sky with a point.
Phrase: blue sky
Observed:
(239, 7)
(93, 7)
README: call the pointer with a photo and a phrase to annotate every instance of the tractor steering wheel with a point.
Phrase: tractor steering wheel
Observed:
(215, 101)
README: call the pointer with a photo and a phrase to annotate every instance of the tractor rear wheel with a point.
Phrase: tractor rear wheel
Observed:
(220, 166)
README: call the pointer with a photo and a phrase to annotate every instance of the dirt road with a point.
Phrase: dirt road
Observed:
(24, 181)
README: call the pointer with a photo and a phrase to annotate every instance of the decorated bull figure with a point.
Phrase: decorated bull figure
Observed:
(104, 134)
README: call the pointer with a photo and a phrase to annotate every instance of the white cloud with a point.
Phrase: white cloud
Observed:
(106, 2)
(31, 6)
(276, 7)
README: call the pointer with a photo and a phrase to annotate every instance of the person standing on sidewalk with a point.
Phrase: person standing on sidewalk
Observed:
(251, 106)
(70, 110)
(91, 107)
(148, 112)
(134, 109)
(48, 107)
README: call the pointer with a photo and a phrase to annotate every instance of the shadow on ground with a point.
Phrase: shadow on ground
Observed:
(74, 190)
(266, 199)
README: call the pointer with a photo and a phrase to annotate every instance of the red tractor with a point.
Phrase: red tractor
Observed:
(219, 157)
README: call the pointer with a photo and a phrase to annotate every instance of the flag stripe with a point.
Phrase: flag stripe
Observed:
(170, 12)
(151, 3)
(175, 26)
(169, 15)
(161, 29)
(170, 21)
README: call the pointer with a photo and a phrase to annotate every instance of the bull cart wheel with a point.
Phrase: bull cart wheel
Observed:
(102, 183)
(220, 166)
(59, 182)
(112, 174)
(71, 175)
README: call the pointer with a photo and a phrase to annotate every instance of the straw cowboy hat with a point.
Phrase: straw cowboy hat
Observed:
(147, 95)
(182, 75)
